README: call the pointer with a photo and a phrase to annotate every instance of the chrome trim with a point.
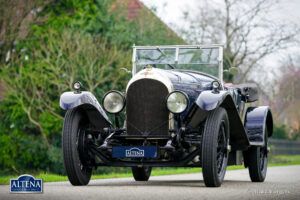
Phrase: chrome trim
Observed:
(114, 91)
(220, 59)
(134, 61)
(181, 46)
(186, 97)
(176, 55)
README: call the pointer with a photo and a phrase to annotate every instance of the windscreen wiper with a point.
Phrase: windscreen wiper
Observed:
(166, 56)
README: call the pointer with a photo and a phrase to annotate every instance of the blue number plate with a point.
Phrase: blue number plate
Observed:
(135, 152)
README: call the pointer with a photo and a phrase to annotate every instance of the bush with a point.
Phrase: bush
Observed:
(280, 132)
(81, 40)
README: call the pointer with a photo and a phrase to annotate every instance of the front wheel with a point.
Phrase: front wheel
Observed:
(75, 155)
(214, 147)
(141, 173)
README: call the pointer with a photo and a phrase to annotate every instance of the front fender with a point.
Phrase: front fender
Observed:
(206, 102)
(88, 102)
(257, 121)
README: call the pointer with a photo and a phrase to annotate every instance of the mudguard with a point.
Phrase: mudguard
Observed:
(258, 120)
(206, 102)
(88, 102)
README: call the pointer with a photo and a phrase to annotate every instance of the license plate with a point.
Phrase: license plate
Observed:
(135, 152)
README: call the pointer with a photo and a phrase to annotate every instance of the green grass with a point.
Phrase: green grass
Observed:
(278, 160)
(284, 159)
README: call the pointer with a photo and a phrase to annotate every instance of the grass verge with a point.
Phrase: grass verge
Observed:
(278, 160)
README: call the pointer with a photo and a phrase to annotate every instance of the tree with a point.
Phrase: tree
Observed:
(84, 40)
(14, 19)
(244, 27)
(31, 111)
(287, 97)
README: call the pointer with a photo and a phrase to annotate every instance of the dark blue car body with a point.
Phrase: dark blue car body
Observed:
(152, 136)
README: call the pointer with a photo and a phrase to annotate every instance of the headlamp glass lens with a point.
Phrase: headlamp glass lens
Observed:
(177, 102)
(215, 84)
(77, 85)
(113, 102)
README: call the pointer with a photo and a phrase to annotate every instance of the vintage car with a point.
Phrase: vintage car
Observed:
(176, 112)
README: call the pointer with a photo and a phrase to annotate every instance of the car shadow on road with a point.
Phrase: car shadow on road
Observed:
(167, 183)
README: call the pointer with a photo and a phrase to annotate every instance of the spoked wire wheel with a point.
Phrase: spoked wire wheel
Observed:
(74, 148)
(214, 147)
(222, 155)
(83, 153)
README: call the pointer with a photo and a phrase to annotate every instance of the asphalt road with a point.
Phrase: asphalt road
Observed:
(281, 183)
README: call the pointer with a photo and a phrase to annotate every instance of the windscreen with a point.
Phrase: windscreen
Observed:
(197, 59)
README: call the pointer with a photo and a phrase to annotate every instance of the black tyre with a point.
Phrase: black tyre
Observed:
(141, 173)
(73, 144)
(214, 147)
(257, 161)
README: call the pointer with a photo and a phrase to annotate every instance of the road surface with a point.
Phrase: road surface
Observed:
(281, 183)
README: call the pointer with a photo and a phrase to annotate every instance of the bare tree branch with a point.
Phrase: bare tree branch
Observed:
(249, 36)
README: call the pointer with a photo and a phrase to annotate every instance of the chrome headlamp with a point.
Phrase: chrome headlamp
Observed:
(215, 86)
(113, 102)
(177, 102)
(77, 86)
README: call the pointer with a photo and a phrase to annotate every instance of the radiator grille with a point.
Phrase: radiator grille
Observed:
(146, 108)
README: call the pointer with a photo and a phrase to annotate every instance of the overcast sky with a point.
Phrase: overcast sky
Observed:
(171, 12)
